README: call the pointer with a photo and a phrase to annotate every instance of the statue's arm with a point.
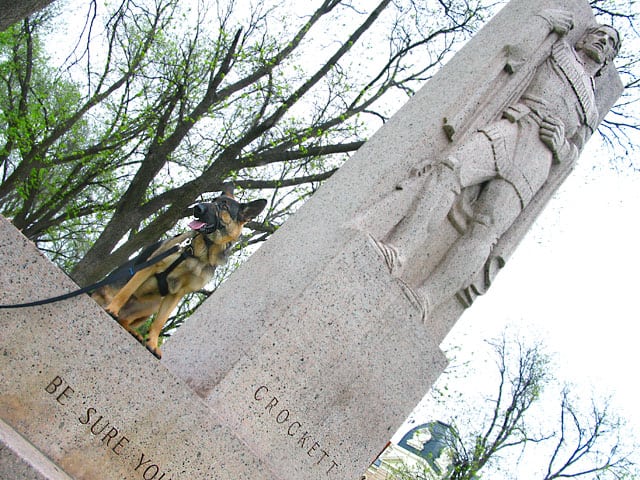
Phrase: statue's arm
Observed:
(553, 135)
(538, 47)
(559, 21)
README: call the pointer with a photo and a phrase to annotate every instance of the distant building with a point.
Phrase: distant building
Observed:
(422, 449)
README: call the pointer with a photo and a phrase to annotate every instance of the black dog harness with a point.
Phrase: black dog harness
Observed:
(161, 277)
(187, 251)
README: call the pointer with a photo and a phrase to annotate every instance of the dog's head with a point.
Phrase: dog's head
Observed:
(223, 218)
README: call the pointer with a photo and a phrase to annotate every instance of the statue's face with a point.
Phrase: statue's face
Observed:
(601, 44)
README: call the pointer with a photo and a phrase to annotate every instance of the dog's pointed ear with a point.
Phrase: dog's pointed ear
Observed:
(252, 209)
(227, 189)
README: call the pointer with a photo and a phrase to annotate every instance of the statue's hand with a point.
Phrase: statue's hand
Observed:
(552, 134)
(560, 21)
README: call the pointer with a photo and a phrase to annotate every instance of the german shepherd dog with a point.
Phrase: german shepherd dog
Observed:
(158, 289)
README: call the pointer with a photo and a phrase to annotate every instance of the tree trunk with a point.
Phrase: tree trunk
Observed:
(12, 12)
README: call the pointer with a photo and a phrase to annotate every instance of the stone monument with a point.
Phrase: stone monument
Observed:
(306, 361)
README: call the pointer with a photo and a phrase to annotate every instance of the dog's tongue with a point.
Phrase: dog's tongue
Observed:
(196, 224)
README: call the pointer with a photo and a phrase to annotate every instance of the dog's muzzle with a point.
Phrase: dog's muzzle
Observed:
(206, 225)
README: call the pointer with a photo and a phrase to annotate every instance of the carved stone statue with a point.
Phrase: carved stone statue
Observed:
(491, 173)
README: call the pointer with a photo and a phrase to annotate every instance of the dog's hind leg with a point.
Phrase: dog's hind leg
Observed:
(123, 295)
(129, 328)
(169, 303)
(136, 312)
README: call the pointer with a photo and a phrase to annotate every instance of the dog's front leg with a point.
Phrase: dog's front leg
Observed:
(169, 303)
(120, 298)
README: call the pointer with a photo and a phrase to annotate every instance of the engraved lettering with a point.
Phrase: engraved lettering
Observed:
(141, 462)
(292, 434)
(65, 393)
(96, 423)
(313, 448)
(90, 410)
(151, 471)
(255, 395)
(102, 426)
(305, 436)
(293, 428)
(147, 475)
(282, 419)
(53, 386)
(271, 404)
(325, 455)
(111, 434)
(119, 444)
